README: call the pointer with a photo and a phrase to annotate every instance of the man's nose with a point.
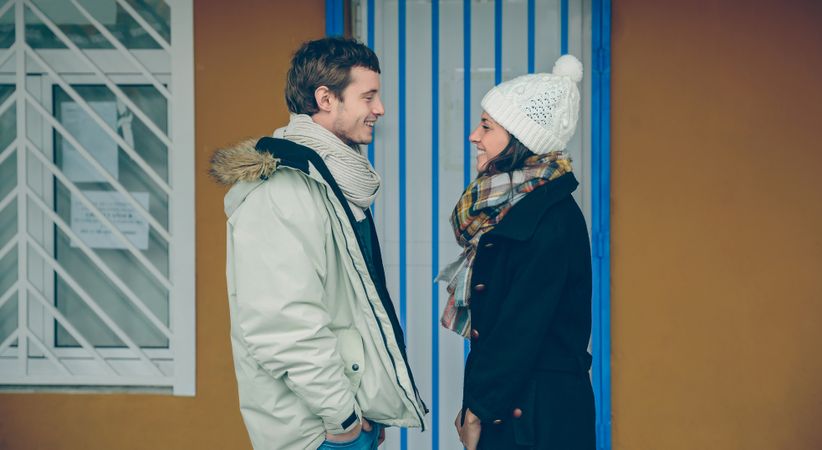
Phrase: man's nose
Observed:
(379, 108)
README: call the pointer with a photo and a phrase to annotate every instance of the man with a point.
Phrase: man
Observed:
(318, 351)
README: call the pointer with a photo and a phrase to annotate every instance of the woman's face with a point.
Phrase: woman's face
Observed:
(490, 139)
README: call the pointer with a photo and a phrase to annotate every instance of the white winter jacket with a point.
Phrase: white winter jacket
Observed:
(315, 345)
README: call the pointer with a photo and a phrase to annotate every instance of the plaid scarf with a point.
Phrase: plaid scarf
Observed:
(482, 206)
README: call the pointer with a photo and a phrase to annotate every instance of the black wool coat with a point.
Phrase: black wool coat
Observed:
(526, 377)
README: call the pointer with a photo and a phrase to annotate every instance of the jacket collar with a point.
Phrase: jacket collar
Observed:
(521, 222)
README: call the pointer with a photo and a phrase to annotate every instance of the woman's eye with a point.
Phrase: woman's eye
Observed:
(485, 127)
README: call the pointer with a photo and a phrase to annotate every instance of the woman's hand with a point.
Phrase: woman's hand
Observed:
(468, 429)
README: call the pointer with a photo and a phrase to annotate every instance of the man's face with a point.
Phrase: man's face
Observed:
(357, 111)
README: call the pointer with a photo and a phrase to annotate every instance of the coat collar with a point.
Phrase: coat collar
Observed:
(521, 222)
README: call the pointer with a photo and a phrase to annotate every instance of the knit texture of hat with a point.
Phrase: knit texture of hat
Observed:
(542, 109)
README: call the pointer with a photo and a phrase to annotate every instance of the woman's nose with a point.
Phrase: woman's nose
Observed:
(474, 136)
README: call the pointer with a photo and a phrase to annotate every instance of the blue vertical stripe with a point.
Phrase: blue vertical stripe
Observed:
(401, 146)
(402, 106)
(466, 114)
(601, 216)
(563, 14)
(435, 206)
(435, 209)
(370, 23)
(531, 27)
(466, 92)
(370, 42)
(497, 41)
(334, 22)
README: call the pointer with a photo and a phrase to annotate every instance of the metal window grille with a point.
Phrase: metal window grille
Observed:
(96, 194)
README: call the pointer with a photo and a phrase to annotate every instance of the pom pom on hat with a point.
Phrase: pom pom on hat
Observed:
(568, 66)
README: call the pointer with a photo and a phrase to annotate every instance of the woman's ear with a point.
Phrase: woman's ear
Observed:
(326, 100)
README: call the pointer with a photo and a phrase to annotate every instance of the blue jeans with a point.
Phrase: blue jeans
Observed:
(367, 440)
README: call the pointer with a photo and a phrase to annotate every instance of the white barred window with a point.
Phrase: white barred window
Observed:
(97, 194)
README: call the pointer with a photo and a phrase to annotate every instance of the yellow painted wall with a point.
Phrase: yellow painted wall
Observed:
(717, 224)
(242, 52)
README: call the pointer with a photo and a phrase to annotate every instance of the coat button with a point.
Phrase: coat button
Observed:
(479, 288)
(517, 413)
(355, 367)
(475, 334)
(498, 421)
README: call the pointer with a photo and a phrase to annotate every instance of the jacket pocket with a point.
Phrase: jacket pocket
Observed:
(350, 347)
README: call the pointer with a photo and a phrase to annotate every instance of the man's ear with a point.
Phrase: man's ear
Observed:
(326, 100)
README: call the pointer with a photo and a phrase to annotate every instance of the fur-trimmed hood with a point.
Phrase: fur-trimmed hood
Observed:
(243, 168)
(241, 162)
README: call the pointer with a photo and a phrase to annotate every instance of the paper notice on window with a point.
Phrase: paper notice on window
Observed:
(119, 211)
(96, 141)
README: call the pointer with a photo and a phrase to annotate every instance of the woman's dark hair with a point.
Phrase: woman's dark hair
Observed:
(324, 62)
(511, 158)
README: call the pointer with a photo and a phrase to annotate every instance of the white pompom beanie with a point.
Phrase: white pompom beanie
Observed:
(542, 109)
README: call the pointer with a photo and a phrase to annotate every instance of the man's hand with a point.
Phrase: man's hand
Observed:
(354, 434)
(468, 429)
(351, 435)
(381, 438)
(366, 426)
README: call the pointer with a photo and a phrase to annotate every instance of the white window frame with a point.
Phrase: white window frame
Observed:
(177, 363)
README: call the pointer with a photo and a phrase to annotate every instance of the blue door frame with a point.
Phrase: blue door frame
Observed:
(600, 184)
(601, 216)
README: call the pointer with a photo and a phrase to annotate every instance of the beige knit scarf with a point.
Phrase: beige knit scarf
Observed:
(357, 178)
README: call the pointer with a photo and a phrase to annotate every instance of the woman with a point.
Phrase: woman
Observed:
(521, 291)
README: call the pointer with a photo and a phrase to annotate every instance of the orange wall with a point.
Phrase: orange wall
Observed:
(242, 51)
(717, 224)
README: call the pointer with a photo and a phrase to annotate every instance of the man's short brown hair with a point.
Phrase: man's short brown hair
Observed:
(324, 62)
